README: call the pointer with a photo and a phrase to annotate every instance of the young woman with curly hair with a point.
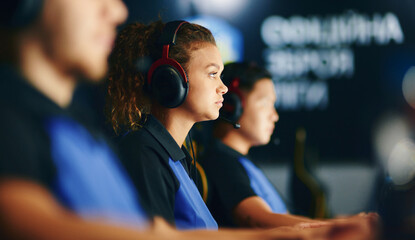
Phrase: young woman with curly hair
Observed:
(157, 106)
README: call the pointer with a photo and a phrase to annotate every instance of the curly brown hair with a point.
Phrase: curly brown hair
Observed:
(127, 101)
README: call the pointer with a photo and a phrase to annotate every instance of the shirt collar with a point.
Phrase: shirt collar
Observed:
(160, 133)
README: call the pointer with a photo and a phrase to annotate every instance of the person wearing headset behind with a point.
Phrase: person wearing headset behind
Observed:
(239, 193)
(58, 177)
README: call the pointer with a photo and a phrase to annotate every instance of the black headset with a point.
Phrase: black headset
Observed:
(166, 79)
(19, 13)
(233, 103)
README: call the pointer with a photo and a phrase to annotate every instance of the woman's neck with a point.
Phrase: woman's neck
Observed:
(43, 74)
(237, 142)
(176, 123)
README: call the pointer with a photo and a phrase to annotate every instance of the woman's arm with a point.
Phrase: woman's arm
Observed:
(255, 212)
(29, 211)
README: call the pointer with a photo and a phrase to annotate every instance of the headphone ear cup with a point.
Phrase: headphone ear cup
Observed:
(168, 87)
(232, 107)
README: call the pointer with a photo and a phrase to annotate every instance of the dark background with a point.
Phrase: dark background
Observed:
(343, 130)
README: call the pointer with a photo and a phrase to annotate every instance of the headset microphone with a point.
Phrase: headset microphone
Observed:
(234, 124)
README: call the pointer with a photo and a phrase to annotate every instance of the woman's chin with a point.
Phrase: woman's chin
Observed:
(209, 117)
(215, 116)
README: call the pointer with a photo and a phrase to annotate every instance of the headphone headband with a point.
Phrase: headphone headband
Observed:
(168, 36)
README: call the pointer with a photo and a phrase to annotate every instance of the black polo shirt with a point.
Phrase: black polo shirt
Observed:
(232, 178)
(152, 157)
(43, 143)
(24, 146)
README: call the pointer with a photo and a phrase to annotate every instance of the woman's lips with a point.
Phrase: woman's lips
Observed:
(219, 103)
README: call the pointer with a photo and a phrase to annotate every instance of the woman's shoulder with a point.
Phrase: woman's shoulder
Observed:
(144, 157)
(219, 154)
(139, 139)
(141, 147)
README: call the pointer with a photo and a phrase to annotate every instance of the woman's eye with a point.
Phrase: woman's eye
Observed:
(266, 103)
(213, 74)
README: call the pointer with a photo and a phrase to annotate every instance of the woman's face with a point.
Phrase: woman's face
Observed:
(259, 114)
(79, 34)
(205, 86)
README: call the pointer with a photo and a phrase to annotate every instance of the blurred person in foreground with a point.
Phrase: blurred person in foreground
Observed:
(59, 179)
(57, 174)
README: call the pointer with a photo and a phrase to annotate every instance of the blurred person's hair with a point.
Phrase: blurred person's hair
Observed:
(15, 16)
(247, 72)
(8, 46)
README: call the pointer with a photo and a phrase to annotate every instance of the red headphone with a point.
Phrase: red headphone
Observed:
(167, 80)
(233, 102)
